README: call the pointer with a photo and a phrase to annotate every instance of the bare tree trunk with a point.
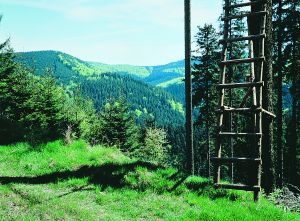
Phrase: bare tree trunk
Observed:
(279, 99)
(268, 173)
(188, 89)
(294, 90)
(207, 128)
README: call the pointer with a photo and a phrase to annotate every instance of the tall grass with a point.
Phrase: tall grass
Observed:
(146, 193)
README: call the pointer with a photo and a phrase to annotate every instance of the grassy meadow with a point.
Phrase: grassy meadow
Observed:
(80, 182)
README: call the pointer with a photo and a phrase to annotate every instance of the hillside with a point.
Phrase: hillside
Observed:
(149, 74)
(147, 100)
(79, 182)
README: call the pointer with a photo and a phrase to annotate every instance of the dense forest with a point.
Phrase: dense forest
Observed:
(73, 74)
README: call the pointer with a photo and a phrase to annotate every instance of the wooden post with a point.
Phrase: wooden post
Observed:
(217, 168)
(188, 88)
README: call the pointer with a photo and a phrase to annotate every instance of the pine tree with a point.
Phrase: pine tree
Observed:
(205, 75)
(8, 127)
(155, 146)
(118, 126)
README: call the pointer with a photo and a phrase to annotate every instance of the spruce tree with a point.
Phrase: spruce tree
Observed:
(205, 76)
(118, 126)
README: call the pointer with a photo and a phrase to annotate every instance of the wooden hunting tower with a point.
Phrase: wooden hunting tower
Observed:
(253, 86)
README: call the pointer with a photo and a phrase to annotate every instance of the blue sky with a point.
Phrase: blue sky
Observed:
(140, 32)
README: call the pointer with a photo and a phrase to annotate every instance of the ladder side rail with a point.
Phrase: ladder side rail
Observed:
(260, 71)
(217, 176)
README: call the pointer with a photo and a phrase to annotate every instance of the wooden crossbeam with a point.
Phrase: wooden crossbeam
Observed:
(244, 4)
(224, 109)
(235, 160)
(245, 38)
(239, 134)
(243, 60)
(238, 187)
(268, 113)
(249, 14)
(241, 85)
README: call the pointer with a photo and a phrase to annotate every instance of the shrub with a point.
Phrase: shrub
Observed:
(155, 148)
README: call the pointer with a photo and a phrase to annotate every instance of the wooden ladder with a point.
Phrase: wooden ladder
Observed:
(255, 87)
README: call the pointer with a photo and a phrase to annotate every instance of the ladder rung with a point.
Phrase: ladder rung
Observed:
(244, 60)
(239, 85)
(249, 14)
(238, 109)
(269, 113)
(244, 4)
(238, 187)
(239, 134)
(250, 37)
(235, 159)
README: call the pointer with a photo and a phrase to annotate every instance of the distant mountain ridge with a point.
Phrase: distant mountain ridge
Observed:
(153, 75)
(102, 81)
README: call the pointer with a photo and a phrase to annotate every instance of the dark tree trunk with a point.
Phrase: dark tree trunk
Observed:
(279, 99)
(188, 89)
(294, 91)
(268, 173)
(207, 127)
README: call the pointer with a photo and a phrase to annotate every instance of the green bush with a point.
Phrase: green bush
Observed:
(155, 148)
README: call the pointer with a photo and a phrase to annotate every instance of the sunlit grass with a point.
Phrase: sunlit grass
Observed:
(146, 193)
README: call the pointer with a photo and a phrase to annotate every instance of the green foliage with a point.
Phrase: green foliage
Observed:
(81, 116)
(136, 71)
(77, 65)
(96, 84)
(117, 126)
(139, 95)
(205, 95)
(205, 71)
(68, 66)
(7, 69)
(36, 109)
(179, 80)
(155, 146)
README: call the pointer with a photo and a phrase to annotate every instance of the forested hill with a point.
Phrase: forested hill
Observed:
(147, 101)
(150, 74)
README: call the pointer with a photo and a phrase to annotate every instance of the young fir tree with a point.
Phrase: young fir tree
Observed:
(81, 117)
(155, 146)
(205, 75)
(7, 70)
(37, 105)
(117, 126)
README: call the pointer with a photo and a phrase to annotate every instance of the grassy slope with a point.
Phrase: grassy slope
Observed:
(175, 81)
(78, 182)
